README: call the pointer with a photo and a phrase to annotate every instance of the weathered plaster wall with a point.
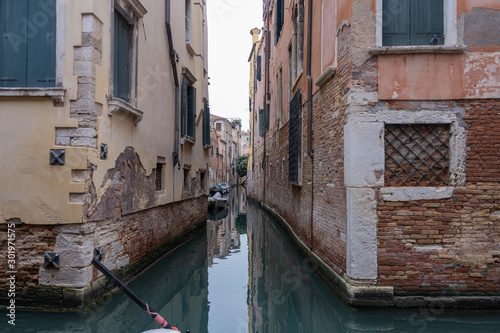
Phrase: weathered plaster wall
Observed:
(468, 5)
(439, 76)
(478, 25)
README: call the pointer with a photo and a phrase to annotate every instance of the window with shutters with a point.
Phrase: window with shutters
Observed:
(206, 126)
(258, 69)
(264, 120)
(28, 43)
(279, 18)
(122, 42)
(412, 22)
(124, 49)
(188, 109)
(123, 82)
(298, 41)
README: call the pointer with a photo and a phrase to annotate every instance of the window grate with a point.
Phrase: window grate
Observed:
(417, 154)
(159, 177)
(295, 138)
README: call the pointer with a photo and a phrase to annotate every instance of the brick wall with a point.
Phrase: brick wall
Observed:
(450, 246)
(327, 236)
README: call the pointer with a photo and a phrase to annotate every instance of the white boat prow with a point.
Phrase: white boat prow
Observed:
(161, 330)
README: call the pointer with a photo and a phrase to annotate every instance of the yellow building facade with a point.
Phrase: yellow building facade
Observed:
(104, 110)
(254, 63)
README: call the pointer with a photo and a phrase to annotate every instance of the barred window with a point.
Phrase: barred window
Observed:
(160, 175)
(417, 154)
(295, 140)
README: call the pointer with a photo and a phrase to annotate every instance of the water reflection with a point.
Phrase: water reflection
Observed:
(243, 275)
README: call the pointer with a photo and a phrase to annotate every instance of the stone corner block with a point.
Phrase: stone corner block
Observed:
(362, 245)
(65, 277)
(364, 160)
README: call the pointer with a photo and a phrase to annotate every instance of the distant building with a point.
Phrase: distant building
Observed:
(376, 135)
(226, 142)
(245, 143)
(105, 137)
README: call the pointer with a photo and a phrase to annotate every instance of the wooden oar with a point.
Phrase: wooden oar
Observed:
(159, 319)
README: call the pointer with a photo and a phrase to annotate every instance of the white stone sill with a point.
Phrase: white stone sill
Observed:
(416, 193)
(115, 105)
(57, 94)
(188, 139)
(417, 49)
(326, 76)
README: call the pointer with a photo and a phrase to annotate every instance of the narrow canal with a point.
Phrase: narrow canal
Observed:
(243, 275)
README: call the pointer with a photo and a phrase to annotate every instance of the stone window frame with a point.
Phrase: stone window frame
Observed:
(330, 71)
(132, 11)
(57, 93)
(450, 32)
(369, 157)
(298, 28)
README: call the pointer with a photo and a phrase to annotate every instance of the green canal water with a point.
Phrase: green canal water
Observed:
(243, 275)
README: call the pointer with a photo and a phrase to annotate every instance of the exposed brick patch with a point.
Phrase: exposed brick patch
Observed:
(465, 235)
(130, 189)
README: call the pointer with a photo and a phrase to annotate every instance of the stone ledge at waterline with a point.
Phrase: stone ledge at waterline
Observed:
(369, 294)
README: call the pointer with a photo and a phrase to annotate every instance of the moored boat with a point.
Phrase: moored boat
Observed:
(217, 197)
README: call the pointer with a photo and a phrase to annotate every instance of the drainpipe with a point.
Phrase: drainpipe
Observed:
(173, 63)
(266, 97)
(309, 113)
(309, 80)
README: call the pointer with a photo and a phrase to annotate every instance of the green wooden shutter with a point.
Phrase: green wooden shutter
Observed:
(13, 44)
(41, 64)
(121, 78)
(259, 61)
(395, 26)
(184, 106)
(279, 17)
(427, 20)
(261, 122)
(268, 114)
(412, 22)
(206, 126)
(191, 114)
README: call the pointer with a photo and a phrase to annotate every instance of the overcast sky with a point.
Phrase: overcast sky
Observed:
(229, 45)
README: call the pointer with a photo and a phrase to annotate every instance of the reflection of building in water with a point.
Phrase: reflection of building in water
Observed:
(224, 229)
(282, 293)
(242, 201)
